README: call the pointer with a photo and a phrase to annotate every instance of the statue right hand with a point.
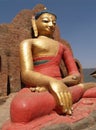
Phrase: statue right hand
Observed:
(62, 95)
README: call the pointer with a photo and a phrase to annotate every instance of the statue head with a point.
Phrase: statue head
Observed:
(44, 23)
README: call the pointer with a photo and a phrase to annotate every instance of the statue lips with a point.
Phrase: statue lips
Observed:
(50, 29)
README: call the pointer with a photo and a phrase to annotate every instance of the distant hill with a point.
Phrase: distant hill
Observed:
(87, 76)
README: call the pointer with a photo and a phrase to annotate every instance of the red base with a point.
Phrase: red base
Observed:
(81, 110)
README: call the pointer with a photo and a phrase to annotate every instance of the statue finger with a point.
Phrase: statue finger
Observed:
(60, 101)
(32, 89)
(67, 102)
(64, 101)
(70, 103)
(70, 100)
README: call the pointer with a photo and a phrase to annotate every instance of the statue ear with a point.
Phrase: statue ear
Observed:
(34, 26)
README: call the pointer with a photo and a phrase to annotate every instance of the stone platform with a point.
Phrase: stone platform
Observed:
(88, 123)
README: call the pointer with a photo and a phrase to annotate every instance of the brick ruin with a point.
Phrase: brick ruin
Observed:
(10, 37)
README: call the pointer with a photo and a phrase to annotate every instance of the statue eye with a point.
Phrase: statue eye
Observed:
(45, 20)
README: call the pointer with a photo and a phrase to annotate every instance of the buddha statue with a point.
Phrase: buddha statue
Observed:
(45, 89)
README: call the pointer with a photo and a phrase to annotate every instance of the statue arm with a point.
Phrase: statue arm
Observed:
(74, 76)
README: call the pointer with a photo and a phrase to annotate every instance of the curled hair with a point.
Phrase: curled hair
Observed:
(43, 12)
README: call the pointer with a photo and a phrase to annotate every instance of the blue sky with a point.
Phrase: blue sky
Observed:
(75, 18)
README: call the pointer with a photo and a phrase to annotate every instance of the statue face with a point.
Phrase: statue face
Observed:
(46, 24)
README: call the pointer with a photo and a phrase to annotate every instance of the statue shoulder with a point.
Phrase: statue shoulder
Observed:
(28, 42)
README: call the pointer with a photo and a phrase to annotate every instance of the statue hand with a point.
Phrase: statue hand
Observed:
(62, 95)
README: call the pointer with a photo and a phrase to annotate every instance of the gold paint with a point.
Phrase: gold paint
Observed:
(34, 27)
(44, 45)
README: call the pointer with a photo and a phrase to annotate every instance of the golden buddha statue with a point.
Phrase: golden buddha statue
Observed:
(45, 89)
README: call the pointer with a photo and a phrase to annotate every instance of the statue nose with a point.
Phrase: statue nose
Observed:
(51, 24)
